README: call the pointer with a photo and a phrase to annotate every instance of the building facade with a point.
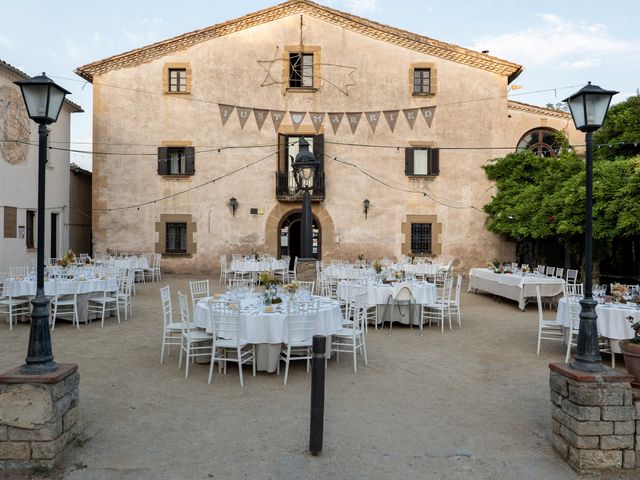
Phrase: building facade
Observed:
(79, 210)
(19, 177)
(202, 130)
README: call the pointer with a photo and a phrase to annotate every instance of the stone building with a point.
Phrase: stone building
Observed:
(79, 209)
(187, 124)
(19, 177)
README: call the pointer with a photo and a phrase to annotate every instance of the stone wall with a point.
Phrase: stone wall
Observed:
(38, 417)
(595, 419)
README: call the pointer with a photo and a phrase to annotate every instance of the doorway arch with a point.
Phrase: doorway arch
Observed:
(289, 230)
(321, 217)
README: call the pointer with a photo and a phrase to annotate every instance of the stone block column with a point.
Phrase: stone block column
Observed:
(594, 418)
(38, 416)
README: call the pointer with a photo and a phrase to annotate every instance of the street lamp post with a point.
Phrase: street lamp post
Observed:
(588, 108)
(43, 99)
(304, 167)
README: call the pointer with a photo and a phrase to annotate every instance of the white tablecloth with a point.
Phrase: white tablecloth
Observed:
(612, 322)
(24, 288)
(418, 268)
(513, 286)
(348, 272)
(269, 330)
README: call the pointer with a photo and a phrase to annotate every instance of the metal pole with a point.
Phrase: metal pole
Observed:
(39, 356)
(316, 429)
(306, 235)
(588, 356)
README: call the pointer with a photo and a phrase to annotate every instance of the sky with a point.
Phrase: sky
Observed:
(562, 44)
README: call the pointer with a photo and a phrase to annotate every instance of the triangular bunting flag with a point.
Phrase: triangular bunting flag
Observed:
(335, 119)
(354, 120)
(411, 114)
(243, 115)
(428, 113)
(276, 117)
(392, 118)
(372, 118)
(225, 112)
(260, 116)
(317, 118)
(296, 118)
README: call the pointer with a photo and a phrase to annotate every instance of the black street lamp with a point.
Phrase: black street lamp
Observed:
(43, 99)
(304, 168)
(588, 108)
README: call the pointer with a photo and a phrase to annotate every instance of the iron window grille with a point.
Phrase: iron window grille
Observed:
(301, 70)
(421, 238)
(176, 238)
(421, 80)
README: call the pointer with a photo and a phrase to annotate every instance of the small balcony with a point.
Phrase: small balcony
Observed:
(287, 190)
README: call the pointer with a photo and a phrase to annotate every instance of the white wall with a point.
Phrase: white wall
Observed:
(19, 183)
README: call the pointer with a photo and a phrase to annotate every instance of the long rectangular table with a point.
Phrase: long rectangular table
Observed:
(515, 287)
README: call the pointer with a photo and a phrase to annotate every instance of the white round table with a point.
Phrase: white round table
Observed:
(269, 330)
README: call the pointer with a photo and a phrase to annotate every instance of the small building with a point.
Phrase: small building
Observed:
(202, 130)
(19, 177)
(79, 209)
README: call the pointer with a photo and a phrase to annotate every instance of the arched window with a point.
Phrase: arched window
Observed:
(541, 141)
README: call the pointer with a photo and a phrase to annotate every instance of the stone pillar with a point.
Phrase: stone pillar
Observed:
(38, 416)
(595, 418)
(306, 271)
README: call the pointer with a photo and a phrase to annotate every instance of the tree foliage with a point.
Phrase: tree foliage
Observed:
(621, 125)
(543, 197)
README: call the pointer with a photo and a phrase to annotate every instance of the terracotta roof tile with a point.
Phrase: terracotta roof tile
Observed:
(526, 107)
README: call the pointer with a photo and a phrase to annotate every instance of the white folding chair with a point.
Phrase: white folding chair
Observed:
(225, 322)
(540, 269)
(124, 294)
(223, 270)
(301, 325)
(195, 342)
(440, 310)
(351, 338)
(291, 274)
(307, 286)
(573, 315)
(13, 306)
(18, 271)
(454, 303)
(171, 332)
(199, 289)
(239, 282)
(559, 272)
(103, 303)
(550, 271)
(572, 276)
(65, 301)
(547, 329)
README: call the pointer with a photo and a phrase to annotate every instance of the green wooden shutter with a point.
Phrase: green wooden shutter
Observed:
(190, 159)
(408, 161)
(434, 161)
(163, 163)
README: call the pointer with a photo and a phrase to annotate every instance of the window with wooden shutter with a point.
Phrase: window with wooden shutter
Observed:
(31, 216)
(421, 162)
(190, 156)
(163, 167)
(10, 221)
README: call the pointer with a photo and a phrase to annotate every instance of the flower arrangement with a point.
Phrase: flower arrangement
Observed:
(67, 259)
(635, 325)
(377, 266)
(500, 266)
(524, 268)
(267, 279)
(291, 287)
(361, 257)
(88, 260)
(618, 292)
(399, 274)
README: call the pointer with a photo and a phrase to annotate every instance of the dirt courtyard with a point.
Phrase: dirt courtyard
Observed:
(470, 404)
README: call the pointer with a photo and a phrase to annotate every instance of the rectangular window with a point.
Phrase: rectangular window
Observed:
(177, 79)
(421, 80)
(176, 238)
(301, 70)
(31, 215)
(421, 238)
(288, 150)
(176, 161)
(422, 162)
(10, 222)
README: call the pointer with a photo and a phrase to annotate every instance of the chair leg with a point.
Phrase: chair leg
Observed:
(286, 366)
(164, 338)
(355, 361)
(180, 359)
(239, 354)
(539, 335)
(187, 361)
(213, 354)
(566, 358)
(364, 351)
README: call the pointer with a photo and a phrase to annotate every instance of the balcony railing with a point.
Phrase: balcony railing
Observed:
(287, 190)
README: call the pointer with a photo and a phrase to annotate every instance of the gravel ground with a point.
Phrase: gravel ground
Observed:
(470, 404)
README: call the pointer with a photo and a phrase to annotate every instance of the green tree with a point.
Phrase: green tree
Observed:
(621, 125)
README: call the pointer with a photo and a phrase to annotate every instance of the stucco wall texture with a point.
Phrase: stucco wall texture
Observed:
(132, 114)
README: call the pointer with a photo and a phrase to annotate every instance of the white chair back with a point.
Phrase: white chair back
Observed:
(199, 289)
(575, 289)
(402, 293)
(559, 272)
(184, 316)
(302, 318)
(572, 276)
(550, 271)
(165, 297)
(19, 271)
(225, 320)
